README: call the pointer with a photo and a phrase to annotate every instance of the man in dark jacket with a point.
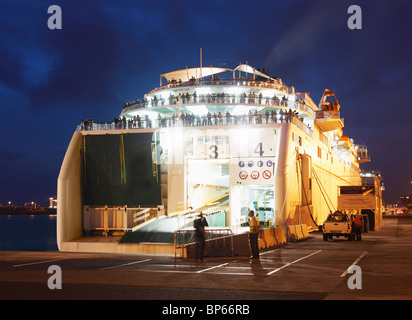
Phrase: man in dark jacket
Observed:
(200, 236)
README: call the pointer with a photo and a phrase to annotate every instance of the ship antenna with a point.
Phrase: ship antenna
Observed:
(200, 63)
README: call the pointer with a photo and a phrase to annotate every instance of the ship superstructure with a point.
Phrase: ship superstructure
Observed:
(215, 140)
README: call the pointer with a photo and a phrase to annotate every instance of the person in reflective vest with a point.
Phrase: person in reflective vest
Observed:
(357, 225)
(254, 225)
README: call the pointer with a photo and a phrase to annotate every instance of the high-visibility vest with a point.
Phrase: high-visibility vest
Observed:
(256, 225)
(358, 222)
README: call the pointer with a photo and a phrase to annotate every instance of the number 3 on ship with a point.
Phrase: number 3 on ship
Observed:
(213, 149)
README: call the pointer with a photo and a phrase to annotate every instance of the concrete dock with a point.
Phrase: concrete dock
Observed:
(312, 269)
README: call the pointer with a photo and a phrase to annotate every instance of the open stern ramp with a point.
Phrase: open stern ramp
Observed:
(162, 229)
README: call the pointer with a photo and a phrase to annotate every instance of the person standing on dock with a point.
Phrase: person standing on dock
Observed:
(200, 236)
(254, 225)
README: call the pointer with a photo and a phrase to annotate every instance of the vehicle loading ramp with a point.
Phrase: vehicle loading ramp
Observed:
(162, 229)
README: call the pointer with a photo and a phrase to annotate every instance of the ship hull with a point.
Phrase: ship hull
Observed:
(285, 175)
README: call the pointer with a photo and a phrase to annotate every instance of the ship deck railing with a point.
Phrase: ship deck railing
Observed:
(323, 114)
(198, 122)
(247, 83)
(218, 99)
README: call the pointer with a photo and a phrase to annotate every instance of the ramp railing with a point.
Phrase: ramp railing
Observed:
(215, 238)
(107, 218)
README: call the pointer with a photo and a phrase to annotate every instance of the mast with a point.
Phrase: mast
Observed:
(200, 63)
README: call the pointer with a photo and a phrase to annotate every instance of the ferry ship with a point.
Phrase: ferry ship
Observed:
(218, 140)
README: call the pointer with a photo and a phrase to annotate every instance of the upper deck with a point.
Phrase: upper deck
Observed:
(220, 96)
(244, 91)
(224, 95)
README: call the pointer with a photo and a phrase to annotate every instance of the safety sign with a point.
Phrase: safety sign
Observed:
(266, 174)
(255, 174)
(243, 175)
(252, 171)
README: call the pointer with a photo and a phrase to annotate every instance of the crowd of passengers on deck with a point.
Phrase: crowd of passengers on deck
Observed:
(186, 98)
(189, 119)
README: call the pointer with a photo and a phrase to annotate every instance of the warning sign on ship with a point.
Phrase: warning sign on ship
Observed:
(254, 174)
(243, 175)
(266, 174)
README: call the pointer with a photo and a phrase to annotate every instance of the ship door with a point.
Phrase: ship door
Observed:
(259, 198)
(207, 181)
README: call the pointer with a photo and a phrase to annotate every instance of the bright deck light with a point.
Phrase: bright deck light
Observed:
(198, 110)
(203, 90)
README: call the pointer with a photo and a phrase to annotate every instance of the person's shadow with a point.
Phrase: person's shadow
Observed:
(257, 270)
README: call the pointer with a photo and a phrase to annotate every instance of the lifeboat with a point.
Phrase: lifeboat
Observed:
(329, 102)
(344, 143)
(328, 117)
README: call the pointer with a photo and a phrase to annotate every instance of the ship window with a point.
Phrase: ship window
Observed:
(225, 169)
(220, 140)
(300, 140)
(319, 152)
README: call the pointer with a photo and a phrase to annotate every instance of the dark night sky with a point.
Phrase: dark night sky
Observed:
(109, 52)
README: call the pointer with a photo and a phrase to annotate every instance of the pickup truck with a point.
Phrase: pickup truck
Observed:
(337, 224)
